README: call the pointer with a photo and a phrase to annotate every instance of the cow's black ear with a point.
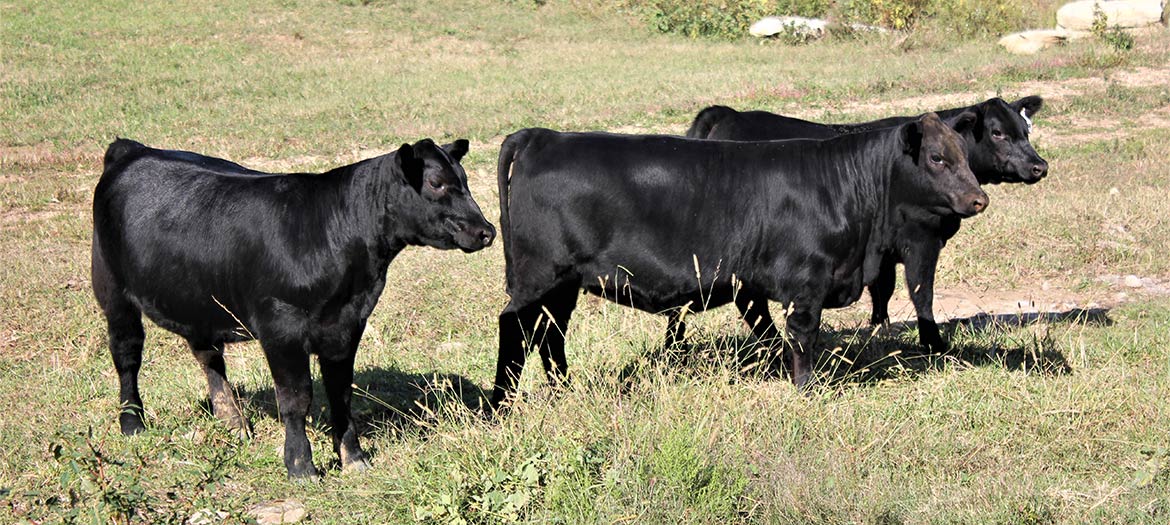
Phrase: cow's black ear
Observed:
(1030, 105)
(965, 122)
(911, 135)
(409, 166)
(457, 149)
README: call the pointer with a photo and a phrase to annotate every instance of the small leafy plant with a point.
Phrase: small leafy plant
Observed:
(1118, 39)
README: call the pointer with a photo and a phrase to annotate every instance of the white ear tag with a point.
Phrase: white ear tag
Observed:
(1024, 113)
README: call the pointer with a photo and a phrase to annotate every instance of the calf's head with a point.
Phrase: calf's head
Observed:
(439, 210)
(997, 145)
(937, 176)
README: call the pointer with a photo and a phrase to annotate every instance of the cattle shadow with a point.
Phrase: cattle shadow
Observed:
(979, 340)
(865, 355)
(994, 324)
(385, 401)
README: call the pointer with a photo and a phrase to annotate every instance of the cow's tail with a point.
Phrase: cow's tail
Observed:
(511, 147)
(118, 150)
(706, 120)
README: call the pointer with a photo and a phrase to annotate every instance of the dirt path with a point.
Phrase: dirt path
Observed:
(1045, 300)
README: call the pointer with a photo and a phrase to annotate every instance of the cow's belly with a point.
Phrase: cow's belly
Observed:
(845, 289)
(661, 299)
(193, 319)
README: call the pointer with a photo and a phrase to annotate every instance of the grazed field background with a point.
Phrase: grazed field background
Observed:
(1052, 407)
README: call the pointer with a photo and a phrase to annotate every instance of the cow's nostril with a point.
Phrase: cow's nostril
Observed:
(1039, 170)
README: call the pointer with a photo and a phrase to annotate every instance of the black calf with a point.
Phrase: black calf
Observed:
(218, 253)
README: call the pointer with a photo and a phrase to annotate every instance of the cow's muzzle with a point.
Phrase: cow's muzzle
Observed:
(972, 203)
(473, 236)
(1037, 171)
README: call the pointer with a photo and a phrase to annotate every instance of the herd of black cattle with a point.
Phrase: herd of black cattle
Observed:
(750, 207)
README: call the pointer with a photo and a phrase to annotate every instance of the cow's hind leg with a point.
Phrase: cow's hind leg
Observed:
(124, 323)
(527, 323)
(337, 374)
(289, 363)
(224, 403)
(549, 333)
(124, 328)
(512, 351)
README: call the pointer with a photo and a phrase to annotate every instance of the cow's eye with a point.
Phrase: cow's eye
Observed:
(435, 185)
(936, 158)
(997, 133)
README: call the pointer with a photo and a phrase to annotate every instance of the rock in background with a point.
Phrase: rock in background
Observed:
(804, 28)
(798, 25)
(1078, 16)
(1075, 20)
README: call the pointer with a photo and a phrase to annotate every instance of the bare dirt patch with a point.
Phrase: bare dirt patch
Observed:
(17, 217)
(44, 154)
(1143, 77)
(954, 304)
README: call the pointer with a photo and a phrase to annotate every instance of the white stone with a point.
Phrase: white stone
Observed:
(1119, 13)
(278, 511)
(208, 517)
(1031, 42)
(774, 25)
(1133, 281)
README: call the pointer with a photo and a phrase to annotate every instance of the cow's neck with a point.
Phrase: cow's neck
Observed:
(373, 192)
(983, 170)
(881, 177)
(866, 163)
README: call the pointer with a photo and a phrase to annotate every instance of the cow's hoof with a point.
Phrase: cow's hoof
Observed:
(131, 424)
(935, 346)
(501, 405)
(242, 431)
(309, 475)
(357, 465)
(356, 461)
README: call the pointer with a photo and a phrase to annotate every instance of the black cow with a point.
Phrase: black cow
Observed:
(666, 224)
(997, 151)
(219, 253)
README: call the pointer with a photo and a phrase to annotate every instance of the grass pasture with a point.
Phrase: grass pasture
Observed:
(1051, 412)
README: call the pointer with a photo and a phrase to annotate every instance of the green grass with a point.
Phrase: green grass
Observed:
(1061, 421)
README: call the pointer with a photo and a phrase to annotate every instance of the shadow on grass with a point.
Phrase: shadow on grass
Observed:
(866, 356)
(385, 400)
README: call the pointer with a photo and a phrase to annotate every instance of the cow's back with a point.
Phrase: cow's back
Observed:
(762, 125)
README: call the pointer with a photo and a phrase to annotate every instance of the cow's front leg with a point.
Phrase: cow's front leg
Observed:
(337, 375)
(289, 363)
(803, 325)
(881, 289)
(920, 260)
(753, 308)
(676, 329)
